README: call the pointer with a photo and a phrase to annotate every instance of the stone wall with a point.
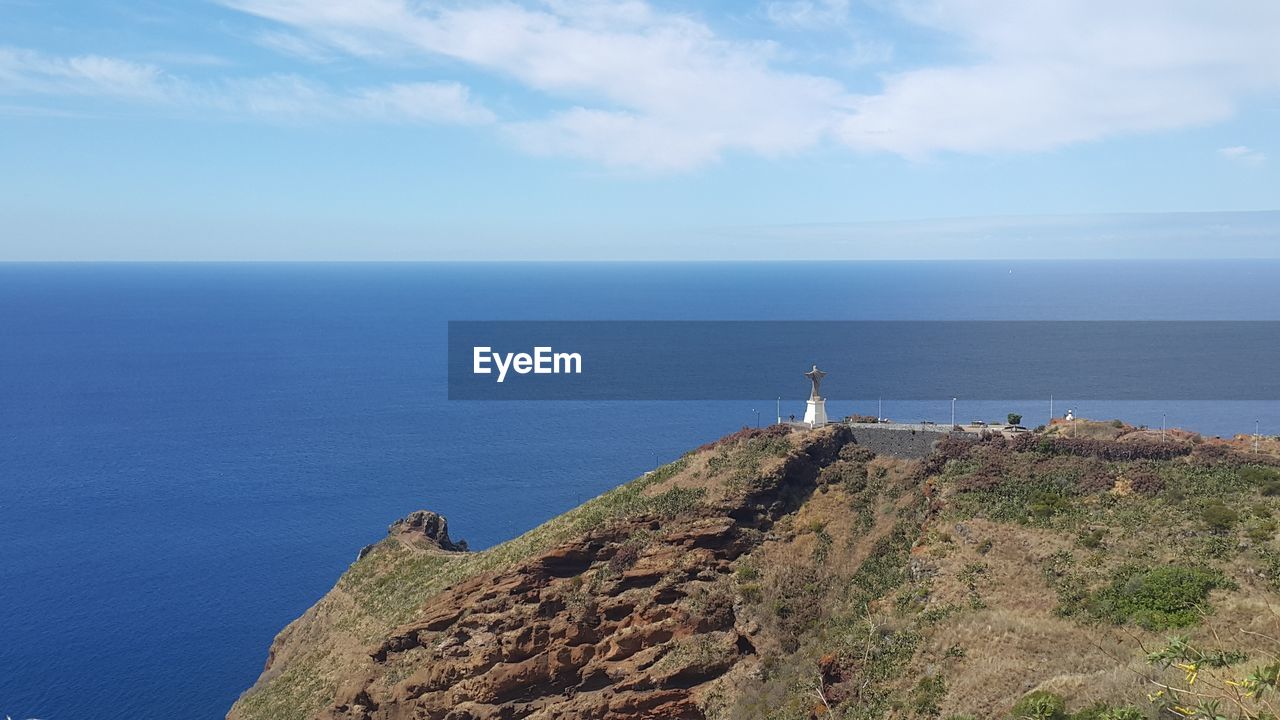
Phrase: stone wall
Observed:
(904, 442)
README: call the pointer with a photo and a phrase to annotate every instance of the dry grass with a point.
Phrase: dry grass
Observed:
(970, 604)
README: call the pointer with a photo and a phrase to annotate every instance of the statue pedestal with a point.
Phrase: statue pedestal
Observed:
(815, 412)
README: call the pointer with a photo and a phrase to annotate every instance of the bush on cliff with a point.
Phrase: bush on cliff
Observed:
(1158, 598)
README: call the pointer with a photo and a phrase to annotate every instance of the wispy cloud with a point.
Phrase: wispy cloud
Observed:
(663, 90)
(1243, 154)
(1043, 75)
(277, 97)
(631, 84)
(26, 72)
(642, 88)
(808, 14)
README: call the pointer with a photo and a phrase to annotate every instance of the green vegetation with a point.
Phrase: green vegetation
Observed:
(1157, 598)
(1218, 517)
(1040, 705)
(1014, 419)
(1044, 705)
(742, 459)
(1216, 684)
(926, 696)
(1266, 479)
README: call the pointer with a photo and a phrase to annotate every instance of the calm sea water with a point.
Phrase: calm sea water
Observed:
(190, 455)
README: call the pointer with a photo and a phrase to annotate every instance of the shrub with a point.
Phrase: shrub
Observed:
(1092, 539)
(1113, 450)
(1214, 682)
(981, 481)
(1267, 480)
(773, 432)
(1146, 482)
(854, 452)
(927, 696)
(1263, 530)
(1219, 517)
(1096, 480)
(851, 475)
(1117, 423)
(1159, 598)
(1024, 442)
(1045, 505)
(1040, 705)
(1014, 418)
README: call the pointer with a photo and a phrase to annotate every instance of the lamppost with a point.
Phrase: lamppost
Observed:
(1257, 425)
(953, 412)
(880, 410)
(757, 412)
(1163, 418)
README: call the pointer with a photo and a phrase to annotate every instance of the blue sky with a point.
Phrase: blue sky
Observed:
(622, 129)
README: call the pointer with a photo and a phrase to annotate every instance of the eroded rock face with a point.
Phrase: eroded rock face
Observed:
(635, 641)
(427, 526)
(631, 620)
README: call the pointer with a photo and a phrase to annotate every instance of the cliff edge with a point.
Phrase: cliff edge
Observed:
(780, 573)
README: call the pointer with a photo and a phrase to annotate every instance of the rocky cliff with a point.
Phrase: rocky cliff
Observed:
(790, 574)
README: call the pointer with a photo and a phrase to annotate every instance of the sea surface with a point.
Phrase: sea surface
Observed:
(190, 455)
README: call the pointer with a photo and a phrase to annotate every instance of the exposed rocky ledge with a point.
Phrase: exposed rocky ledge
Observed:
(425, 525)
(423, 529)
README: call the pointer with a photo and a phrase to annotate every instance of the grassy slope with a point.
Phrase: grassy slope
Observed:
(1015, 572)
(888, 594)
(391, 584)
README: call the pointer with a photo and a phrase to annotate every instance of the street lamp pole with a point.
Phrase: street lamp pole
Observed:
(1163, 419)
(1257, 425)
(757, 412)
(880, 410)
(953, 412)
(779, 409)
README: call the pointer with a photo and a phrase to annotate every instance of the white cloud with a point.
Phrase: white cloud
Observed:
(1047, 74)
(808, 14)
(428, 102)
(654, 89)
(642, 88)
(277, 97)
(27, 72)
(630, 84)
(1243, 154)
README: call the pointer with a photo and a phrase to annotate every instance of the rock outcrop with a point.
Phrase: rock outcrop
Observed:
(631, 614)
(426, 526)
(632, 619)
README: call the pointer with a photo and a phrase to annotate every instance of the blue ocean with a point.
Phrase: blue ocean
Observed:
(191, 454)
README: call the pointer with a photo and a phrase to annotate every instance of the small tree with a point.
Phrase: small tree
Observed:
(1014, 419)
